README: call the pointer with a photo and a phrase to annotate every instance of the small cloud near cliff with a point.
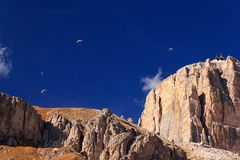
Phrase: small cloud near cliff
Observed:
(150, 83)
(5, 63)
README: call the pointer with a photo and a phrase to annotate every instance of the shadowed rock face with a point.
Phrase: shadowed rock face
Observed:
(200, 103)
(19, 122)
(102, 135)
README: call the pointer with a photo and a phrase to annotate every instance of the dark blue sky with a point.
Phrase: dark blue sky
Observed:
(123, 42)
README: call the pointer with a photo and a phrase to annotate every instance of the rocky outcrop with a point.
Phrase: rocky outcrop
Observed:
(107, 137)
(102, 135)
(19, 122)
(60, 132)
(200, 103)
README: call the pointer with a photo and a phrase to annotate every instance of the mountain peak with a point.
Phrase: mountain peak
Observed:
(199, 103)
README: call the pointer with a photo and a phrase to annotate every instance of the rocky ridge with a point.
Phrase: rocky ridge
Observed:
(72, 133)
(199, 103)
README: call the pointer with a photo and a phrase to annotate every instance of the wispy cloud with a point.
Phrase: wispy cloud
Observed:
(150, 83)
(5, 63)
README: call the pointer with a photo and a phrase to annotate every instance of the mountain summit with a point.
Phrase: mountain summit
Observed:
(199, 103)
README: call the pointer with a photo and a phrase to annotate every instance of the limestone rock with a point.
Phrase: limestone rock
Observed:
(106, 137)
(75, 133)
(19, 122)
(200, 103)
(60, 132)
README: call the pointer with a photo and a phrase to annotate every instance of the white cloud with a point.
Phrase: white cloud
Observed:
(150, 83)
(5, 63)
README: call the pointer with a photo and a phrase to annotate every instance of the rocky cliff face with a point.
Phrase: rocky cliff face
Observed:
(76, 134)
(106, 136)
(200, 103)
(19, 122)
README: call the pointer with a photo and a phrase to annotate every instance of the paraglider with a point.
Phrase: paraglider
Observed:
(79, 41)
(171, 49)
(43, 91)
